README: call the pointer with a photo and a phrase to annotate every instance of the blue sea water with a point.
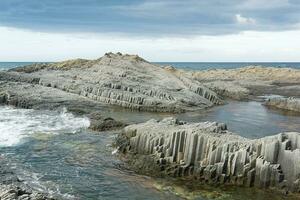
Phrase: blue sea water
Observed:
(190, 65)
(228, 65)
(9, 65)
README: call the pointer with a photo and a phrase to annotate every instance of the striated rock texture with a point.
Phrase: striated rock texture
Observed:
(212, 154)
(32, 96)
(292, 104)
(244, 82)
(124, 80)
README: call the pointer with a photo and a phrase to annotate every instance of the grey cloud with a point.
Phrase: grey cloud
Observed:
(150, 17)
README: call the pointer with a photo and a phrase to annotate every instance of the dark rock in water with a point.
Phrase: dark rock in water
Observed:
(100, 123)
(211, 154)
(12, 188)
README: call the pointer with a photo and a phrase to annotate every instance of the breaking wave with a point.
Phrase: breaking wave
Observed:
(16, 124)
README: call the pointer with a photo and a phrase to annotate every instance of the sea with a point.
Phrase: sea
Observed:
(190, 65)
(55, 152)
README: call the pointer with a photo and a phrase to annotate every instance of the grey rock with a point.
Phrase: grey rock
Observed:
(291, 104)
(124, 80)
(32, 96)
(215, 155)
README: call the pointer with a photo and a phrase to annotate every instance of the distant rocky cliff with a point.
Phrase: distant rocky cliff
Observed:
(211, 154)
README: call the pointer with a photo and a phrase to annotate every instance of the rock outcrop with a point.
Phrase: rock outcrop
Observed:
(32, 96)
(12, 188)
(244, 82)
(210, 153)
(292, 104)
(124, 80)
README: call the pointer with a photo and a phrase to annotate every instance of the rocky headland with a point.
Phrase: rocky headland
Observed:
(116, 79)
(209, 153)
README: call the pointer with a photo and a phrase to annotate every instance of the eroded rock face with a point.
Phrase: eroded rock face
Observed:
(292, 104)
(212, 154)
(32, 96)
(124, 80)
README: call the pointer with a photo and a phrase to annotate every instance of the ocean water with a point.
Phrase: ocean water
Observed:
(9, 65)
(190, 65)
(53, 151)
(227, 65)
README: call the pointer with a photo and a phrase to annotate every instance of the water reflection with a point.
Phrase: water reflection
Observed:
(249, 119)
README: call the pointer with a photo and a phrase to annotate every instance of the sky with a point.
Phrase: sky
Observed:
(165, 30)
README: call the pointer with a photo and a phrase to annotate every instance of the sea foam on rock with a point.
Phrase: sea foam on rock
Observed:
(212, 154)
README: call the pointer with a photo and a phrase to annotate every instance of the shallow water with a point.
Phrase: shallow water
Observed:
(249, 119)
(54, 151)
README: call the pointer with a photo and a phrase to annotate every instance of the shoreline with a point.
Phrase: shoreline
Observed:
(67, 84)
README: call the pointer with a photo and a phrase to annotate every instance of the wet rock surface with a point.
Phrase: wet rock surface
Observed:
(31, 96)
(210, 153)
(101, 123)
(12, 188)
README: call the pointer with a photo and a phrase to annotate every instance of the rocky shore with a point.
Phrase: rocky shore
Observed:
(211, 154)
(12, 188)
(205, 151)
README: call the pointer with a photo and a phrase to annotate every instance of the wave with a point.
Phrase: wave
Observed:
(17, 124)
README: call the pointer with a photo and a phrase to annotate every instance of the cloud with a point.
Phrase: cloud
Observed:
(151, 18)
(244, 20)
(22, 45)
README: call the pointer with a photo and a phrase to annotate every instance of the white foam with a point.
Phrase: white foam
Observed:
(15, 124)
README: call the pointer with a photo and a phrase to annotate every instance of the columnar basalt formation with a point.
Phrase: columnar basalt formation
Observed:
(125, 80)
(292, 104)
(212, 154)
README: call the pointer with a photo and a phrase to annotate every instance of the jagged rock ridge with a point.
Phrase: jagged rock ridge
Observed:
(125, 80)
(212, 154)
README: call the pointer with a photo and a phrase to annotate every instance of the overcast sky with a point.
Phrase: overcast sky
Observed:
(165, 30)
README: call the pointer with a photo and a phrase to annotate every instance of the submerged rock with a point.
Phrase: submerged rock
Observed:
(124, 80)
(15, 192)
(211, 154)
(100, 123)
(12, 188)
(292, 104)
